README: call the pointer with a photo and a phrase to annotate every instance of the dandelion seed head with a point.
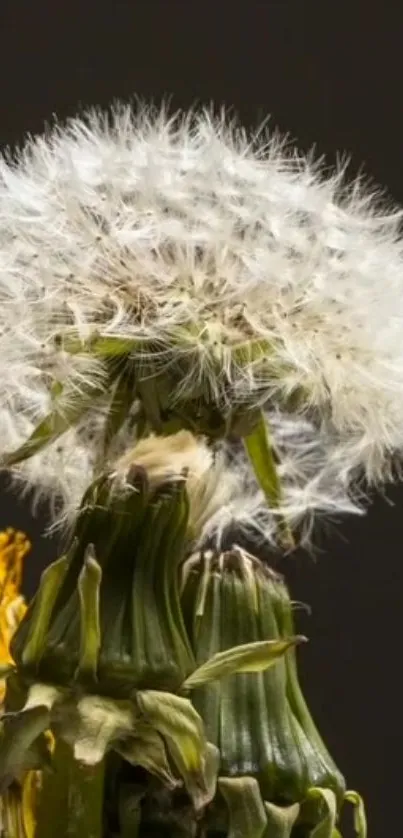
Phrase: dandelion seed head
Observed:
(257, 276)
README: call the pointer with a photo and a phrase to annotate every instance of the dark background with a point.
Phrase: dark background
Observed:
(332, 76)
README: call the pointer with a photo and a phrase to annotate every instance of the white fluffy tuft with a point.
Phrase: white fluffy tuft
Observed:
(312, 490)
(144, 226)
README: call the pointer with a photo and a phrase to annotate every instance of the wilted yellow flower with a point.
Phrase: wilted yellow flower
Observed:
(17, 807)
(14, 546)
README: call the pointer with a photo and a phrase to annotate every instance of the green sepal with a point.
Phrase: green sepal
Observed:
(321, 768)
(40, 614)
(246, 812)
(119, 408)
(98, 345)
(67, 412)
(260, 452)
(159, 639)
(360, 820)
(321, 804)
(89, 584)
(248, 657)
(149, 394)
(280, 820)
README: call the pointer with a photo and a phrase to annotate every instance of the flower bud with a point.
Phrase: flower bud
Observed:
(259, 721)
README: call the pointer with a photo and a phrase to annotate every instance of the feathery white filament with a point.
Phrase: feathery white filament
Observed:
(184, 230)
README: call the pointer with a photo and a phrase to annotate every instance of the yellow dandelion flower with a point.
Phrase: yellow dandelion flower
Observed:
(18, 805)
(14, 546)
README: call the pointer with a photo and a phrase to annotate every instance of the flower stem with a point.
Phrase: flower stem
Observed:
(71, 802)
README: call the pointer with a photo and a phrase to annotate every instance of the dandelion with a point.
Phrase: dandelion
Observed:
(200, 359)
(160, 273)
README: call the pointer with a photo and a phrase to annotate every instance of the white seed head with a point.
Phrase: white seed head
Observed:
(183, 456)
(262, 276)
(166, 458)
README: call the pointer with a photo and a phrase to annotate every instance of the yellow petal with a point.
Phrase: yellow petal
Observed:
(17, 808)
(14, 545)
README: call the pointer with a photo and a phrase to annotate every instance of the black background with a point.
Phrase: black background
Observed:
(332, 76)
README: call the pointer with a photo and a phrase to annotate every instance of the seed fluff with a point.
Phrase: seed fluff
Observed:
(265, 280)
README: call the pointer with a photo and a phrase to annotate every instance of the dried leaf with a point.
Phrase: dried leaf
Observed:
(146, 748)
(99, 724)
(182, 728)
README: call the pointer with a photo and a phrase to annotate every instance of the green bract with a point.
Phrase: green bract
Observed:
(155, 688)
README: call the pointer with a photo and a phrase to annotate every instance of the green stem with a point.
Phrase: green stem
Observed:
(71, 802)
